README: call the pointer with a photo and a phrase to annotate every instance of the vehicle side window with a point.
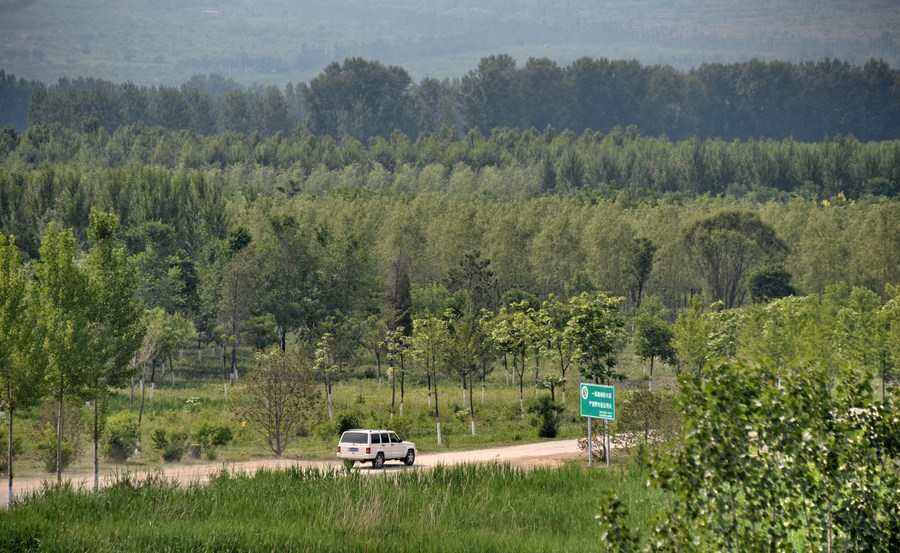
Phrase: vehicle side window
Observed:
(376, 438)
(385, 439)
(395, 439)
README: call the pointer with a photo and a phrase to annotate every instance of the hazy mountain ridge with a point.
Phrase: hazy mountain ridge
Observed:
(275, 41)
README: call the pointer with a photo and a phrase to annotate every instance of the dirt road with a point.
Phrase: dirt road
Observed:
(550, 453)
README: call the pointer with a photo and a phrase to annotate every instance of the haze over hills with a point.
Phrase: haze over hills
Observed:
(277, 41)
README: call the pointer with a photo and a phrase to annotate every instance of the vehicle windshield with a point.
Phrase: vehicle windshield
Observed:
(354, 438)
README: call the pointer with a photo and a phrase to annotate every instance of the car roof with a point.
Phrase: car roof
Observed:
(366, 430)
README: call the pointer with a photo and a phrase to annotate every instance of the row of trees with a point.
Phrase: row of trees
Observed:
(69, 327)
(508, 163)
(361, 99)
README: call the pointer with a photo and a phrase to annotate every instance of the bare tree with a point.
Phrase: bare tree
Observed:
(278, 398)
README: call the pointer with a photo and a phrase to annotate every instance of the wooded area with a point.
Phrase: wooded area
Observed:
(362, 99)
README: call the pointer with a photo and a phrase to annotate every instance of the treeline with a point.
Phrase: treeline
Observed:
(361, 99)
(507, 163)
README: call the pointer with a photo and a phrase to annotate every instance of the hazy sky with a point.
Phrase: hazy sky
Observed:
(278, 41)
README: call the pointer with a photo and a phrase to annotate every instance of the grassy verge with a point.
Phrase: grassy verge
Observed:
(458, 508)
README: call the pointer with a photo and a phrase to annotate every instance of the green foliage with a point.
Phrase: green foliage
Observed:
(121, 437)
(728, 244)
(348, 421)
(805, 461)
(616, 535)
(646, 419)
(546, 413)
(171, 445)
(46, 450)
(597, 331)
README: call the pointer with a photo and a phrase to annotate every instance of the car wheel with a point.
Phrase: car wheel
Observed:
(410, 458)
(348, 464)
(379, 461)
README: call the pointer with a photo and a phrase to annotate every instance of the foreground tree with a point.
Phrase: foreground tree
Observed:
(115, 321)
(20, 373)
(779, 459)
(65, 323)
(278, 398)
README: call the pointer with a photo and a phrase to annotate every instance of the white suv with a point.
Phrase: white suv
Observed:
(377, 446)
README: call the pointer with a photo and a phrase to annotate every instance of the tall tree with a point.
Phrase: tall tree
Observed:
(639, 265)
(288, 277)
(653, 333)
(114, 318)
(729, 244)
(597, 330)
(65, 321)
(20, 369)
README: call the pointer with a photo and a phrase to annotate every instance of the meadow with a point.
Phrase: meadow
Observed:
(457, 508)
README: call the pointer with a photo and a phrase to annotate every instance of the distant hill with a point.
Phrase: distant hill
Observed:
(279, 41)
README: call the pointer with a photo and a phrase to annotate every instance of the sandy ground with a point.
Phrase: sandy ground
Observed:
(552, 453)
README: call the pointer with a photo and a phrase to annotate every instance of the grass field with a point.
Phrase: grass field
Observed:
(498, 420)
(458, 508)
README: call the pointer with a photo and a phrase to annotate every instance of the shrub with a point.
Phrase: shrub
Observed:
(171, 447)
(4, 444)
(46, 450)
(546, 418)
(210, 437)
(348, 421)
(121, 437)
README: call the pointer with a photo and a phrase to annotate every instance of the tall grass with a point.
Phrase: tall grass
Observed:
(456, 508)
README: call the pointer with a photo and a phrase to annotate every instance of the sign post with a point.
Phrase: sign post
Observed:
(598, 402)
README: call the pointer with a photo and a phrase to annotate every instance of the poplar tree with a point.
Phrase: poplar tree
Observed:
(20, 371)
(115, 321)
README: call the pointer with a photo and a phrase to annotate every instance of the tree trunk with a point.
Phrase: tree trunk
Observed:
(152, 379)
(472, 408)
(402, 386)
(436, 412)
(233, 363)
(131, 397)
(393, 389)
(59, 432)
(141, 410)
(378, 365)
(328, 396)
(96, 437)
(429, 388)
(9, 449)
(506, 368)
(650, 388)
(225, 368)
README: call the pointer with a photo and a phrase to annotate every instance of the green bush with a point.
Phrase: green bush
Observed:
(546, 413)
(121, 437)
(4, 441)
(210, 437)
(348, 421)
(46, 449)
(171, 447)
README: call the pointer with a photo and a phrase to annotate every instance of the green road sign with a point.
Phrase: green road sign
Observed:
(598, 402)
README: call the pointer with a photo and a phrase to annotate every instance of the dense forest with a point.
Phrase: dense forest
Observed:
(362, 99)
(549, 212)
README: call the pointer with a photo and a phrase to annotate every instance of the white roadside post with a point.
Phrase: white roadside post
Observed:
(598, 402)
